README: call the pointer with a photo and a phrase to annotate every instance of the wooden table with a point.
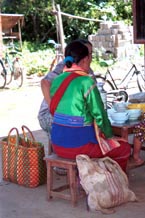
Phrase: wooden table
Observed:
(123, 130)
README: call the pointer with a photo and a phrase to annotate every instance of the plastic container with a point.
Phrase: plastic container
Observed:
(103, 93)
(119, 117)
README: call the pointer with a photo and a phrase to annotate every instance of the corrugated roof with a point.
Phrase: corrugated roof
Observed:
(10, 20)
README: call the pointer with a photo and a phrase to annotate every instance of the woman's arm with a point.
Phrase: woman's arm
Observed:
(96, 108)
(45, 87)
(46, 81)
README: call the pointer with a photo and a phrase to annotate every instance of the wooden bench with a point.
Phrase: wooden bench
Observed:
(70, 166)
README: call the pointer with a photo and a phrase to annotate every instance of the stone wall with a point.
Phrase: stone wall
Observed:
(115, 37)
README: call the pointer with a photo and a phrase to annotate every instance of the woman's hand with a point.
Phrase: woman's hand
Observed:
(119, 138)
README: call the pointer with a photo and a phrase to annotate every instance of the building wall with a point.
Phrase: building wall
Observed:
(115, 37)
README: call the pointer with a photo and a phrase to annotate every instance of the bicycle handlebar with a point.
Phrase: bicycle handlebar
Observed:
(14, 52)
(12, 47)
(57, 46)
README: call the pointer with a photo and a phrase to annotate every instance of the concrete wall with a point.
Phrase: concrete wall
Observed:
(115, 37)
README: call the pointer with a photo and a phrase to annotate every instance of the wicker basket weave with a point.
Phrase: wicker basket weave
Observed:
(22, 160)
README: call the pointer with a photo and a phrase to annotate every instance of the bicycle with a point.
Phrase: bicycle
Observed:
(112, 85)
(58, 54)
(118, 91)
(11, 67)
(3, 74)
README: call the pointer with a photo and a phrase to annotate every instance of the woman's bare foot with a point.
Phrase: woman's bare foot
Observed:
(133, 163)
(138, 161)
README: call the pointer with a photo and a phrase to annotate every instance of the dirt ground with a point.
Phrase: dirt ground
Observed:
(20, 107)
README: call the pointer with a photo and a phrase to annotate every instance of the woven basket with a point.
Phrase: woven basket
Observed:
(22, 159)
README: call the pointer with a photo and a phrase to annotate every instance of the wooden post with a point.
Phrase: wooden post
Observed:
(1, 38)
(20, 34)
(60, 28)
(56, 19)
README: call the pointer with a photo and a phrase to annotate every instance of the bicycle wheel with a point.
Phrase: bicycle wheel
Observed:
(2, 75)
(107, 84)
(17, 73)
(141, 81)
(109, 88)
(116, 95)
(9, 72)
(112, 93)
(2, 80)
(9, 78)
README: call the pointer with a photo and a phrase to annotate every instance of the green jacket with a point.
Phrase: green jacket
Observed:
(82, 98)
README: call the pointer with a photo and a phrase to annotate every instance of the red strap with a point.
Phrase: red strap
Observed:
(60, 91)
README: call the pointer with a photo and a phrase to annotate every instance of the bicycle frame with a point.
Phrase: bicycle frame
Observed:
(124, 82)
(4, 69)
(118, 91)
(3, 74)
(9, 62)
(58, 56)
(13, 68)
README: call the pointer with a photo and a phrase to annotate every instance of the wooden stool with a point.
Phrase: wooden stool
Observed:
(71, 167)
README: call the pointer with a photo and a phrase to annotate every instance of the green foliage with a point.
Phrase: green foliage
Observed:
(142, 50)
(40, 23)
(37, 17)
(36, 59)
(122, 10)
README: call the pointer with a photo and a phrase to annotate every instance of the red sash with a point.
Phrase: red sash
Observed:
(60, 91)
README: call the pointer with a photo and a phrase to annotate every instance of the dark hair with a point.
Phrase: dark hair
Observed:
(77, 50)
(84, 41)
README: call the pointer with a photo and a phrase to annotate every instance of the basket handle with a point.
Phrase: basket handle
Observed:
(17, 136)
(25, 135)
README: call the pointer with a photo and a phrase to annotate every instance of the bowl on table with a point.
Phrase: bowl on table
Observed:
(119, 117)
(140, 106)
(120, 106)
(109, 112)
(134, 114)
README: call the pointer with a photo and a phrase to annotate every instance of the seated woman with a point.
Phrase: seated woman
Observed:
(75, 106)
(139, 139)
(44, 117)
